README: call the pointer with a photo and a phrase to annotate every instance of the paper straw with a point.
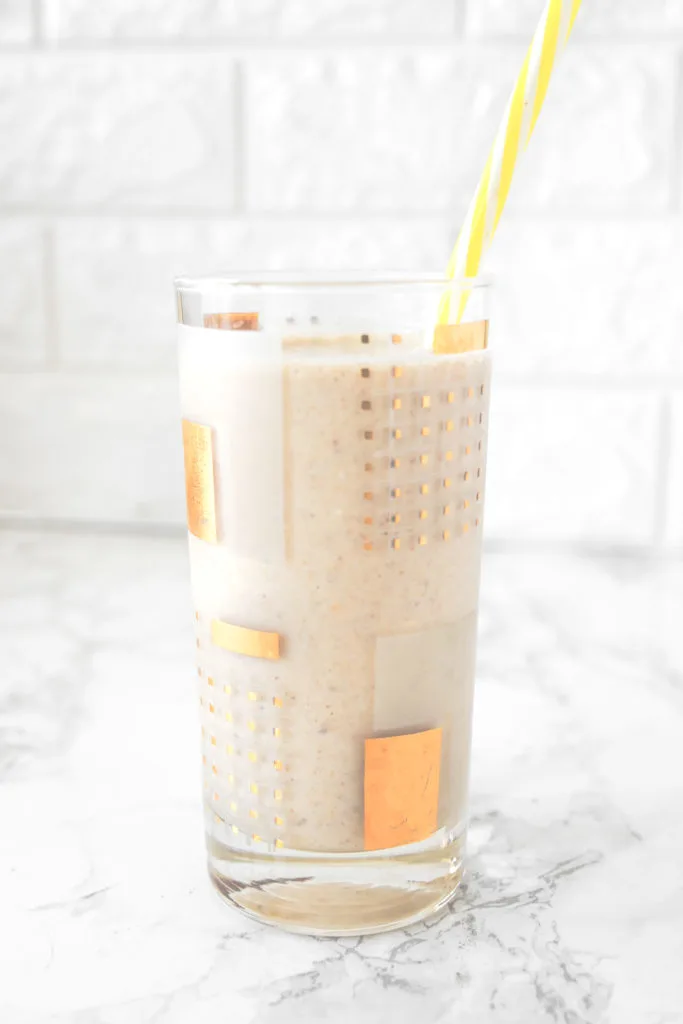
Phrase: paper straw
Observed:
(514, 133)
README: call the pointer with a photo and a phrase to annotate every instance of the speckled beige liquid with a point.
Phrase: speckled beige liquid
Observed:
(349, 481)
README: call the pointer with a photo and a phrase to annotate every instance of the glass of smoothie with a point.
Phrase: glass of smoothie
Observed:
(335, 461)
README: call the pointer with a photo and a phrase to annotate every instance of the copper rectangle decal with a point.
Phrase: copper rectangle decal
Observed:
(232, 321)
(241, 640)
(199, 481)
(401, 788)
(453, 338)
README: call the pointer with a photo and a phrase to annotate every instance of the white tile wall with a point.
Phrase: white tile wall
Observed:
(674, 522)
(141, 139)
(503, 17)
(570, 464)
(598, 298)
(371, 131)
(126, 130)
(229, 19)
(90, 447)
(608, 145)
(22, 293)
(16, 21)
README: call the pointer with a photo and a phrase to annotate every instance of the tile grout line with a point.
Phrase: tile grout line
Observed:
(581, 217)
(460, 18)
(366, 44)
(676, 156)
(52, 347)
(663, 475)
(239, 138)
(37, 23)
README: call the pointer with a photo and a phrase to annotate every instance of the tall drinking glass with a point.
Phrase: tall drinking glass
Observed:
(335, 456)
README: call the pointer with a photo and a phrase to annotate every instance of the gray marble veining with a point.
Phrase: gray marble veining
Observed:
(573, 907)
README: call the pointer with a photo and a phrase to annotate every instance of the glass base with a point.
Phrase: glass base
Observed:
(340, 894)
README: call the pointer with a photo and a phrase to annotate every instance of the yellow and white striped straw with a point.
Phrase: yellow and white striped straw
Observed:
(514, 133)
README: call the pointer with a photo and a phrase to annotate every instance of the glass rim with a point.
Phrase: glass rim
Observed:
(308, 280)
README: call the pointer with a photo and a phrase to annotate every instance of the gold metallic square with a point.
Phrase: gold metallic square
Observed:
(423, 513)
(453, 338)
(397, 371)
(254, 643)
(397, 434)
(396, 518)
(200, 492)
(449, 425)
(424, 459)
(447, 482)
(396, 404)
(446, 534)
(277, 702)
(368, 520)
(232, 321)
(395, 463)
(425, 431)
(277, 765)
(367, 495)
(396, 339)
(367, 546)
(396, 543)
(450, 398)
(422, 540)
(426, 402)
(401, 788)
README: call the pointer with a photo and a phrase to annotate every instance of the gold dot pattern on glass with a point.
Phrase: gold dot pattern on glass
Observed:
(243, 729)
(422, 449)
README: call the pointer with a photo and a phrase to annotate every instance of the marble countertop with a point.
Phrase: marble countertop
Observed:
(573, 906)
